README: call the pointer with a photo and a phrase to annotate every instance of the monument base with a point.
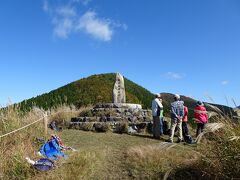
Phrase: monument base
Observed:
(119, 105)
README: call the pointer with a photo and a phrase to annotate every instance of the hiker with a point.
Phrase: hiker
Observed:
(184, 122)
(186, 136)
(200, 117)
(156, 111)
(177, 113)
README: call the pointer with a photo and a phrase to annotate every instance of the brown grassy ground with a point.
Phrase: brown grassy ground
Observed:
(99, 155)
(119, 156)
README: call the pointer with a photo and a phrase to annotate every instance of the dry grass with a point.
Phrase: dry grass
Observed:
(158, 160)
(108, 155)
(216, 157)
(63, 114)
(15, 147)
(220, 147)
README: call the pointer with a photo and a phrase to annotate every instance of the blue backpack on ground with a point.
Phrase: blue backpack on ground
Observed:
(44, 164)
(52, 150)
(188, 139)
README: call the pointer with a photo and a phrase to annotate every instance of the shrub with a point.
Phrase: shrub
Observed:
(62, 115)
(149, 128)
(121, 127)
(88, 126)
(101, 127)
(86, 113)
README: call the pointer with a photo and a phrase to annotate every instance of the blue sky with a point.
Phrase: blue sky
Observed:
(178, 46)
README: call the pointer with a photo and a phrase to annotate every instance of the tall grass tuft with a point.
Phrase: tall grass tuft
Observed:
(15, 147)
(154, 161)
(221, 150)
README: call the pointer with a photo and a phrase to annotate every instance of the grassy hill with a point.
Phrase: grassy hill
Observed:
(89, 91)
(98, 89)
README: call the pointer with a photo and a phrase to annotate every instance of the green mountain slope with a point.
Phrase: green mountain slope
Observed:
(91, 90)
(98, 89)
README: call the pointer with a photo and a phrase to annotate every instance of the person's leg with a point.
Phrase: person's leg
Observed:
(161, 126)
(179, 127)
(199, 129)
(184, 129)
(172, 131)
(156, 129)
(197, 133)
(203, 127)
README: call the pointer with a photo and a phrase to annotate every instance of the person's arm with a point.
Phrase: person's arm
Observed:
(186, 112)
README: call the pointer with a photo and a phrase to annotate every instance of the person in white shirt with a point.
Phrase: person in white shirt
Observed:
(156, 110)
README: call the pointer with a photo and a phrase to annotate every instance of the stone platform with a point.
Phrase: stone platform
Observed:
(116, 112)
(118, 105)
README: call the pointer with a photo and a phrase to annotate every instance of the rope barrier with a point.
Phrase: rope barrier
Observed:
(21, 128)
(29, 124)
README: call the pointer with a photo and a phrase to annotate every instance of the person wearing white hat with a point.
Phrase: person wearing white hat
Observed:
(157, 107)
(177, 113)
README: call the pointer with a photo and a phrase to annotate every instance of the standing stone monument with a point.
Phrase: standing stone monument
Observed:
(119, 95)
(116, 111)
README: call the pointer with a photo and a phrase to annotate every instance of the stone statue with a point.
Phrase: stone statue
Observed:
(119, 95)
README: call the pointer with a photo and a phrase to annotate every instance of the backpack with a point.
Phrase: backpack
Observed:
(44, 164)
(188, 139)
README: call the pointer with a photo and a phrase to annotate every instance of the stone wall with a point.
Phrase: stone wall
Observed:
(116, 112)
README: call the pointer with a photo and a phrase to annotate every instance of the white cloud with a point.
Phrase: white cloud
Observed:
(66, 11)
(63, 20)
(120, 25)
(84, 2)
(67, 20)
(63, 27)
(174, 75)
(225, 82)
(45, 6)
(95, 26)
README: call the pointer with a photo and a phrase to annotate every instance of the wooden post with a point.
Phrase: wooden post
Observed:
(45, 124)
